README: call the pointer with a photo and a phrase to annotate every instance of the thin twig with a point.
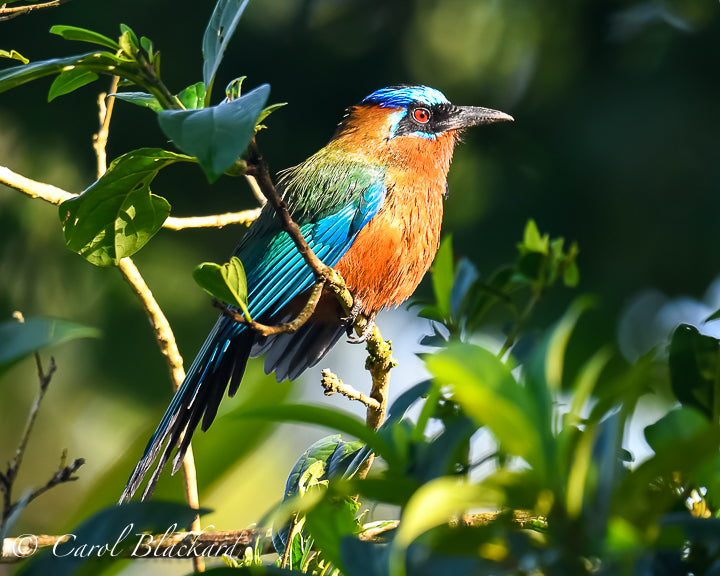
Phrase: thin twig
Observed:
(332, 384)
(105, 106)
(292, 326)
(9, 13)
(7, 479)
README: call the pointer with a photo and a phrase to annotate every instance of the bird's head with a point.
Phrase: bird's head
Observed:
(411, 120)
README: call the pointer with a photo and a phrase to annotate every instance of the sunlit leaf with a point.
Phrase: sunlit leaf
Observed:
(84, 35)
(21, 339)
(117, 215)
(488, 393)
(442, 276)
(227, 282)
(70, 80)
(13, 55)
(436, 503)
(217, 135)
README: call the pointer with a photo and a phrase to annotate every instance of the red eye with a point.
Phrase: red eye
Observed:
(421, 115)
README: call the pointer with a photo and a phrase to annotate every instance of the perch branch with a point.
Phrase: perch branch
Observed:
(380, 360)
(292, 326)
(9, 13)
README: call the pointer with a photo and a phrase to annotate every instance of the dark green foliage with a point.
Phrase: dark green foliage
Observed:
(216, 135)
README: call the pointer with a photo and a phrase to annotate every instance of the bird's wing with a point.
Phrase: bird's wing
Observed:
(276, 272)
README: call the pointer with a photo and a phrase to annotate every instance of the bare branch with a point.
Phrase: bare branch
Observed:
(105, 110)
(32, 188)
(246, 217)
(9, 13)
(332, 384)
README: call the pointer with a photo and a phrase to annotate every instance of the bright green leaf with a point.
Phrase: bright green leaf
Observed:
(433, 504)
(193, 96)
(84, 35)
(117, 215)
(218, 135)
(532, 240)
(14, 55)
(70, 80)
(488, 393)
(220, 29)
(227, 282)
(21, 339)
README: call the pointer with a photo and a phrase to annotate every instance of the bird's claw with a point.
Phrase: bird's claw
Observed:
(367, 330)
(350, 321)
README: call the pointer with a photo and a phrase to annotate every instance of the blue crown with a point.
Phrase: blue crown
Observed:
(402, 96)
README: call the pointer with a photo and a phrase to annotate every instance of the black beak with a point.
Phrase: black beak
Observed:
(466, 116)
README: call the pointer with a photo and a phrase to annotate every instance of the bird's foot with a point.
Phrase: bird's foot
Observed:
(367, 330)
(352, 316)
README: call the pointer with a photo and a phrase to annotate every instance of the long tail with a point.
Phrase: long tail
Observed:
(220, 365)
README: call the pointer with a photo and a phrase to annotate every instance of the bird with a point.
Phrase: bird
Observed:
(370, 206)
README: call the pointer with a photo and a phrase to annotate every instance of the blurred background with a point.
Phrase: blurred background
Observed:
(615, 146)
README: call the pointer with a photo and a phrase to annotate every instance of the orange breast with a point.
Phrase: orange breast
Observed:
(392, 253)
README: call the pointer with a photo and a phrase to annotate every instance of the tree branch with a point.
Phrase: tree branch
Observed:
(292, 326)
(246, 217)
(380, 360)
(332, 384)
(9, 13)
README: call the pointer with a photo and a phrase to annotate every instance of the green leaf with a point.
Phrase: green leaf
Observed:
(117, 215)
(70, 80)
(21, 339)
(434, 504)
(677, 425)
(193, 96)
(694, 368)
(227, 282)
(220, 29)
(266, 112)
(488, 393)
(442, 276)
(233, 90)
(14, 55)
(532, 241)
(218, 135)
(101, 62)
(140, 99)
(83, 35)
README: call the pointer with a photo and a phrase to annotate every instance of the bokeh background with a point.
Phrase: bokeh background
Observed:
(615, 146)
